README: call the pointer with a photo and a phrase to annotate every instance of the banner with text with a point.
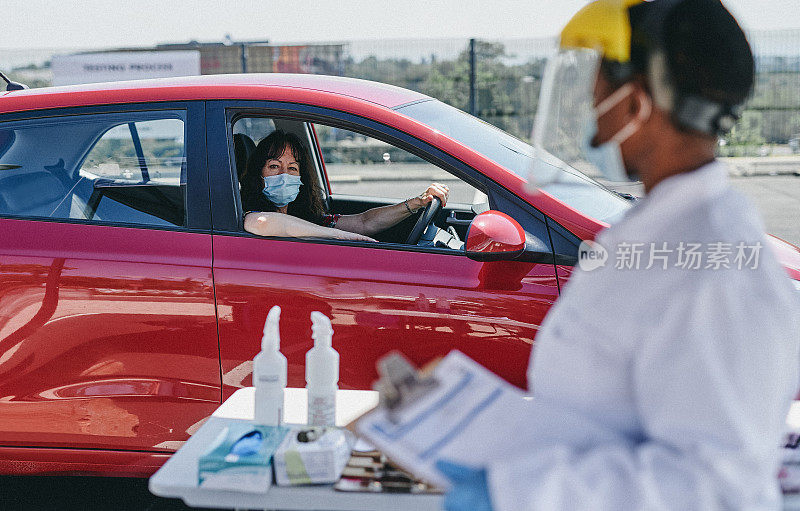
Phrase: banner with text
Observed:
(127, 65)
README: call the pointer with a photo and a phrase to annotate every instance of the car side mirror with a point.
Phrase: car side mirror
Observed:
(495, 236)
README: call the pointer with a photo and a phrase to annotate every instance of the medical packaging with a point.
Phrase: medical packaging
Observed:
(269, 373)
(322, 373)
(312, 456)
(240, 458)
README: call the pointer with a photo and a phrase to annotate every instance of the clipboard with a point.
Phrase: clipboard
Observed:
(448, 414)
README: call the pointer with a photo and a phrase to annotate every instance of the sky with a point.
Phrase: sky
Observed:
(115, 23)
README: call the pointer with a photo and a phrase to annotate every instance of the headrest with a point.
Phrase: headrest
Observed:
(6, 140)
(22, 193)
(243, 147)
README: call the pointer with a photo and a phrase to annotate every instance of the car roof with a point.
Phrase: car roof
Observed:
(204, 87)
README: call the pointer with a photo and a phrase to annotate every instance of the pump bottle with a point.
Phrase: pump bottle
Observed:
(269, 374)
(322, 373)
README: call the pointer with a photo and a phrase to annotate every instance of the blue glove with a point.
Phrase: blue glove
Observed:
(469, 491)
(248, 444)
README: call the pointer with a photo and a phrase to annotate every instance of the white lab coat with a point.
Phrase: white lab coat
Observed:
(660, 389)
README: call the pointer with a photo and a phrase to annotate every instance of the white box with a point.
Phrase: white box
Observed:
(318, 461)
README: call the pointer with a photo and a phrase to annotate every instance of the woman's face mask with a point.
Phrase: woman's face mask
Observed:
(281, 189)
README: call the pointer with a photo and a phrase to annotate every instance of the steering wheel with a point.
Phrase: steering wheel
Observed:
(425, 219)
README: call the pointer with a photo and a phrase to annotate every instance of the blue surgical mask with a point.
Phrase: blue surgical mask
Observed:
(607, 157)
(281, 189)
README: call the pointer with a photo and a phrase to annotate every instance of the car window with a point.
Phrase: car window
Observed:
(255, 128)
(363, 173)
(360, 165)
(101, 168)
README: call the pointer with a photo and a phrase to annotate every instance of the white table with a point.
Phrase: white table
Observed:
(178, 477)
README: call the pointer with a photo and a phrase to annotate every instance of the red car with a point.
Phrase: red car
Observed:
(132, 300)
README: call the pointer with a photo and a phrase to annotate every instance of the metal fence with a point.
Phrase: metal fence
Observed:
(498, 80)
(507, 76)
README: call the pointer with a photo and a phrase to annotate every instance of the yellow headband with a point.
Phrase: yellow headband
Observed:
(603, 25)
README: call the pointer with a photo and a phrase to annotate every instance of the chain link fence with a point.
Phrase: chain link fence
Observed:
(508, 77)
(504, 80)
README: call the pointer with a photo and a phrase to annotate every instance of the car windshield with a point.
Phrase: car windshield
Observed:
(564, 182)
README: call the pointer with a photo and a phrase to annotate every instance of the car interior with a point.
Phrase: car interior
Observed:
(432, 227)
(50, 171)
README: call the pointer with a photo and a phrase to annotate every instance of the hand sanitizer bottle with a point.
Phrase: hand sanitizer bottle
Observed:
(322, 373)
(269, 374)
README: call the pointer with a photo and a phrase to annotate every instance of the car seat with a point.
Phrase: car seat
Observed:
(31, 193)
(243, 147)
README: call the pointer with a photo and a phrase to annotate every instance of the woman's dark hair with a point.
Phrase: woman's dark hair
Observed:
(308, 204)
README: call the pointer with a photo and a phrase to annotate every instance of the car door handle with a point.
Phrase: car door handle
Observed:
(453, 219)
(456, 221)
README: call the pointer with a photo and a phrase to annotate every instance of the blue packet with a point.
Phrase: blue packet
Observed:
(240, 457)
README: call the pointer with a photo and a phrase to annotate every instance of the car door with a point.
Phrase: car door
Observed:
(421, 301)
(107, 321)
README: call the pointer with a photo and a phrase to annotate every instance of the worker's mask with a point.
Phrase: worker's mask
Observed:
(566, 122)
(281, 189)
(607, 156)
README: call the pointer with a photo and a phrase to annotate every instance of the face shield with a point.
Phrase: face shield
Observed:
(565, 117)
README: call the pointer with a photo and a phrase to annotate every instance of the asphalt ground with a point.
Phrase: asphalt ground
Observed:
(777, 197)
(54, 493)
(778, 200)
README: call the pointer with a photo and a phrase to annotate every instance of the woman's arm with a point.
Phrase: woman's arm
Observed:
(283, 225)
(379, 219)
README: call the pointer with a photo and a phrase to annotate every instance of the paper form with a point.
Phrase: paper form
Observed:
(456, 421)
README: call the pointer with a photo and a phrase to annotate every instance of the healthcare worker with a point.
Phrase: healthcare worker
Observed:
(661, 379)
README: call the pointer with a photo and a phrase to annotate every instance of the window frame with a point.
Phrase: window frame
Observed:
(226, 203)
(197, 199)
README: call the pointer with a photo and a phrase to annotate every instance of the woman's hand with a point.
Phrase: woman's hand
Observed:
(437, 190)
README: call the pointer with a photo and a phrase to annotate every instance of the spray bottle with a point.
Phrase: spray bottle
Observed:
(322, 373)
(269, 374)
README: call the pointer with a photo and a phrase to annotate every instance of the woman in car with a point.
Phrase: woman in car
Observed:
(281, 197)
